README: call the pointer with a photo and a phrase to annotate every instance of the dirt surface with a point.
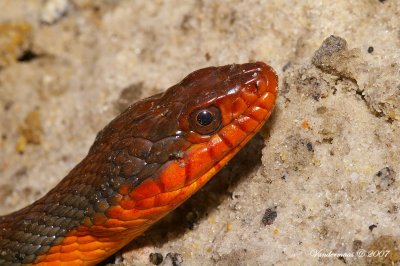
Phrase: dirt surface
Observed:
(319, 185)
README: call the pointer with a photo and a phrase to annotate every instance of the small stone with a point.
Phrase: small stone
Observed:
(269, 216)
(53, 10)
(156, 258)
(331, 46)
(372, 227)
(173, 259)
(310, 147)
(384, 178)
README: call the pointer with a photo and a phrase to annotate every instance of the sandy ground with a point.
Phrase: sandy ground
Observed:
(319, 185)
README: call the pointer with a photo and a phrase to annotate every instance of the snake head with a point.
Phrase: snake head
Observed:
(228, 105)
(231, 97)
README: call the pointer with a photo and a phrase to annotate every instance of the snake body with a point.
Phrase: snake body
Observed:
(143, 164)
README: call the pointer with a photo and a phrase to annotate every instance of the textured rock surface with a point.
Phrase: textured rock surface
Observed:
(329, 171)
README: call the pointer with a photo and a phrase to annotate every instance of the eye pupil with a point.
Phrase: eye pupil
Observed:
(205, 121)
(204, 118)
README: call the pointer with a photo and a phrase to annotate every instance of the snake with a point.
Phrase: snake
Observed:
(142, 165)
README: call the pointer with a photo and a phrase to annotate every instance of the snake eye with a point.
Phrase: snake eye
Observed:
(206, 120)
